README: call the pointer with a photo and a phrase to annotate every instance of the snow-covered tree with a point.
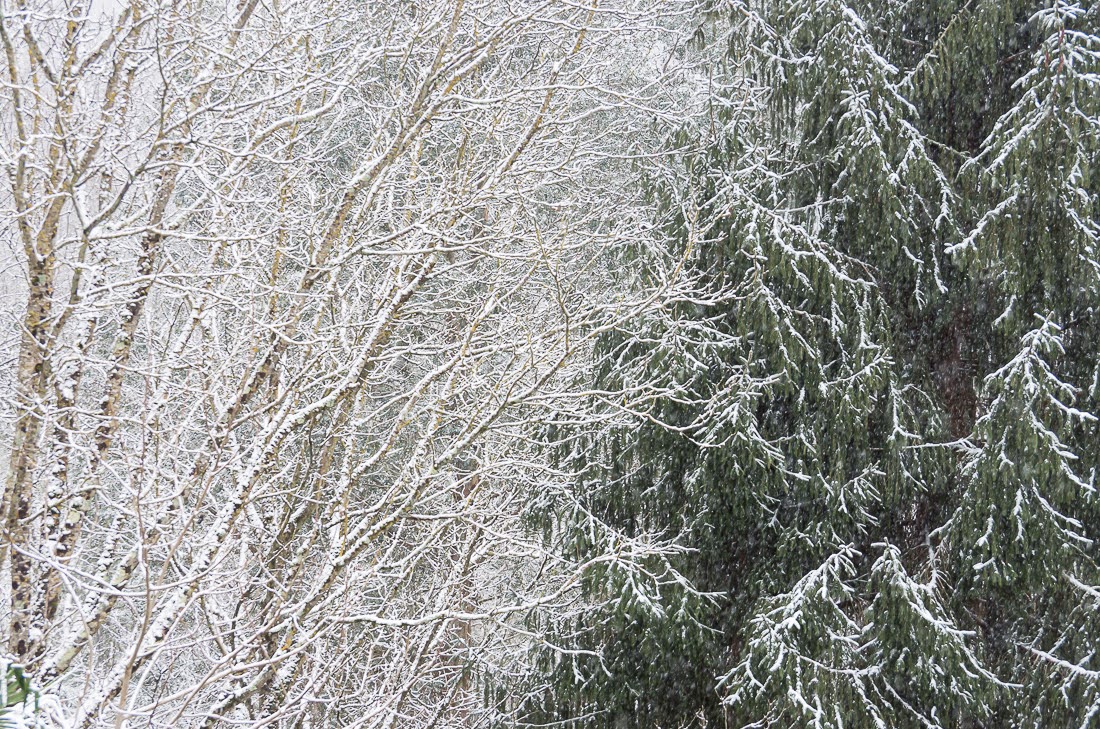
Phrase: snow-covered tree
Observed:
(876, 425)
(288, 288)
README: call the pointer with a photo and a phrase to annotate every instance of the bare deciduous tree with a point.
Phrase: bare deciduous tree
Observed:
(292, 284)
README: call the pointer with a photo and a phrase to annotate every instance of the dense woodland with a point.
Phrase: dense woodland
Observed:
(540, 363)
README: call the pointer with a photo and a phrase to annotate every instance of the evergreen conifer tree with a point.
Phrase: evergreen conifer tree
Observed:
(882, 446)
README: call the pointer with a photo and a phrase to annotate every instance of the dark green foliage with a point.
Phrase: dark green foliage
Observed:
(17, 693)
(879, 440)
